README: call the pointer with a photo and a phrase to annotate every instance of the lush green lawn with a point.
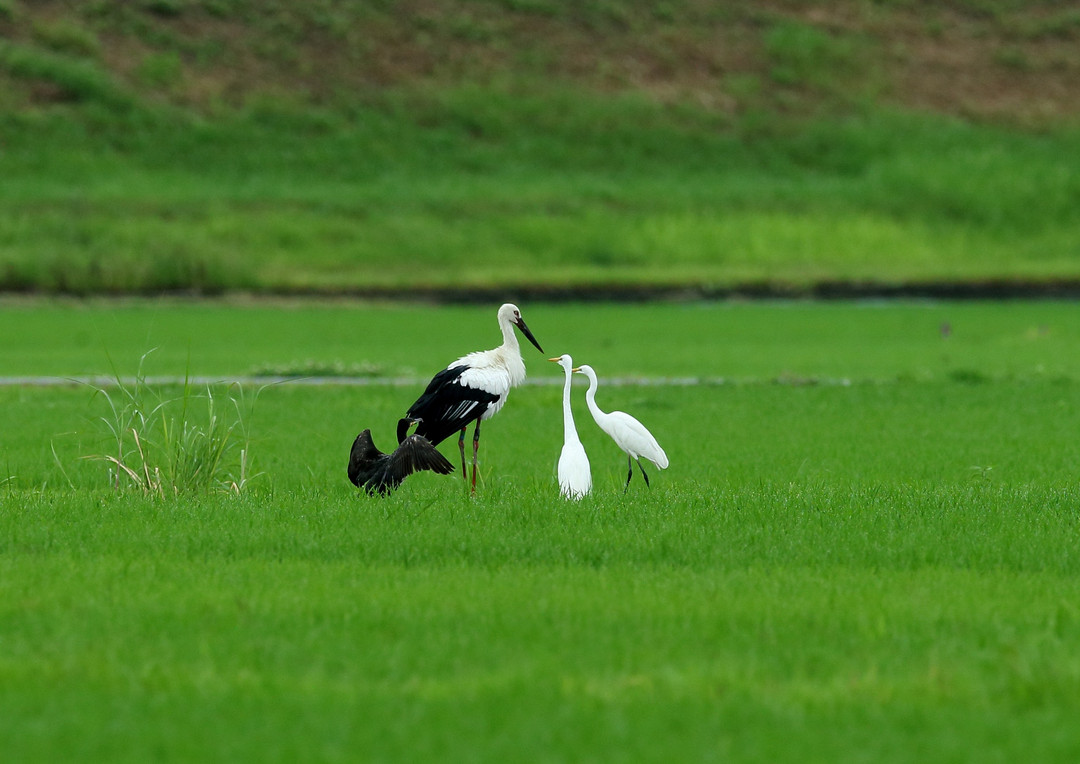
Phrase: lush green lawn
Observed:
(754, 625)
(864, 548)
(485, 188)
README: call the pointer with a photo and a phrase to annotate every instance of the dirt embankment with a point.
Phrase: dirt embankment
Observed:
(984, 59)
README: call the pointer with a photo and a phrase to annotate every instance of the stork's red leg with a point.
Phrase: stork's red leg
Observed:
(461, 448)
(475, 448)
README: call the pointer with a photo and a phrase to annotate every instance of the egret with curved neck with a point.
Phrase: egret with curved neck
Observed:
(628, 433)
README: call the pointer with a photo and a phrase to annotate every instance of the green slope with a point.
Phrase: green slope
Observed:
(353, 147)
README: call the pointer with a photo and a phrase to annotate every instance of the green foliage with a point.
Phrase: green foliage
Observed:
(806, 55)
(538, 7)
(65, 36)
(162, 446)
(165, 7)
(463, 188)
(501, 143)
(1063, 24)
(76, 79)
(223, 8)
(160, 69)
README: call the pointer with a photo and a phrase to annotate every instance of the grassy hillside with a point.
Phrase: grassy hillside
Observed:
(502, 144)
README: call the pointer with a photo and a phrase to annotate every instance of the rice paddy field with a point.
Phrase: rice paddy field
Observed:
(864, 548)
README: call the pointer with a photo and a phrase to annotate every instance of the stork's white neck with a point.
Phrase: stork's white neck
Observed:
(509, 354)
(510, 340)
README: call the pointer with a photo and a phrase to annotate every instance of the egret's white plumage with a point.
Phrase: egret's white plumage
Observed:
(628, 433)
(471, 389)
(575, 477)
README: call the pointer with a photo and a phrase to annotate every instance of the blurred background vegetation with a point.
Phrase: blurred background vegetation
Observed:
(449, 146)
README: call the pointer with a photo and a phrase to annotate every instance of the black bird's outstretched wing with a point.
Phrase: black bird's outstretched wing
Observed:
(416, 453)
(374, 471)
(446, 406)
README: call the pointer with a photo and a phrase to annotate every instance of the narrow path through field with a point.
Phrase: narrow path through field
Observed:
(316, 381)
(105, 382)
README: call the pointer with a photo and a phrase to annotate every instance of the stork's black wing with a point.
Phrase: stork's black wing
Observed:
(446, 406)
(375, 471)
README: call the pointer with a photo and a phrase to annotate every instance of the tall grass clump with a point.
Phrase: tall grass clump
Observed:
(191, 442)
(76, 78)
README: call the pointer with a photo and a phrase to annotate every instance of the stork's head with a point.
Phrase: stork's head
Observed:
(509, 314)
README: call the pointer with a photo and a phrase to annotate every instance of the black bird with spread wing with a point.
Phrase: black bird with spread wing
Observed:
(376, 472)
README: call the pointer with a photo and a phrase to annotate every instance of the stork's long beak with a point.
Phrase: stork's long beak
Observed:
(525, 330)
(576, 369)
(554, 360)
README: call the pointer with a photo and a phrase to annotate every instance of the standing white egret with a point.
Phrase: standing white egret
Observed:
(575, 477)
(628, 433)
(472, 388)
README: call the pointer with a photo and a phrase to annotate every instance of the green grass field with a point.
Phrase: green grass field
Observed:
(374, 148)
(557, 192)
(864, 549)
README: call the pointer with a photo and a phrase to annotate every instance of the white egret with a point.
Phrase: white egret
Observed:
(575, 477)
(628, 433)
(472, 388)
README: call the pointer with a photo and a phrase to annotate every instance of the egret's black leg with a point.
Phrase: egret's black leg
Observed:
(475, 448)
(461, 448)
(630, 474)
(643, 474)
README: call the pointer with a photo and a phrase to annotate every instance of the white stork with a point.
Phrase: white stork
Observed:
(472, 388)
(628, 433)
(575, 477)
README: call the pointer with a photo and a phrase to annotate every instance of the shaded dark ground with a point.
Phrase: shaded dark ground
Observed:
(1010, 289)
(975, 290)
